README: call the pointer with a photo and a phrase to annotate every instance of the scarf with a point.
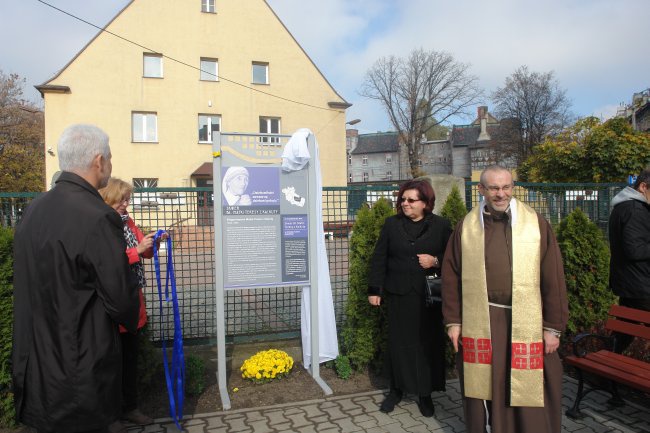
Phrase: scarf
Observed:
(526, 347)
(132, 242)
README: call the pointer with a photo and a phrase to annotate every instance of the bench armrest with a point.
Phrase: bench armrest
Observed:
(606, 341)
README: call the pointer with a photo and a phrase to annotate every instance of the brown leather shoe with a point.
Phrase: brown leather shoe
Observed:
(137, 417)
(117, 427)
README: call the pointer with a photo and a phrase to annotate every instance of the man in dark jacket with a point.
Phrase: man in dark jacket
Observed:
(72, 286)
(629, 239)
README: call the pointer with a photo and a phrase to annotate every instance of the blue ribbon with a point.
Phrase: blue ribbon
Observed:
(176, 376)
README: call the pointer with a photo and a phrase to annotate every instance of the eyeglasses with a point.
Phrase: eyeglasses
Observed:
(494, 189)
(409, 200)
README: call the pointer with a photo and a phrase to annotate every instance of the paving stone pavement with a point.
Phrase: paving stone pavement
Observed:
(360, 413)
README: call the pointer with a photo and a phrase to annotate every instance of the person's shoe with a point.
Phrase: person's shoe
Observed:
(137, 417)
(426, 406)
(117, 427)
(393, 397)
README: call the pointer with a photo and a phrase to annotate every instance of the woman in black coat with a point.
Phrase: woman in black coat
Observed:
(411, 246)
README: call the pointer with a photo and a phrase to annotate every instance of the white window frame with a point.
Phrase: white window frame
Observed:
(389, 175)
(146, 74)
(365, 176)
(364, 160)
(269, 129)
(209, 75)
(350, 178)
(210, 119)
(145, 182)
(349, 159)
(389, 158)
(208, 6)
(266, 72)
(146, 117)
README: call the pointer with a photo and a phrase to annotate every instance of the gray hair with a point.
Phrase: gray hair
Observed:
(493, 167)
(79, 145)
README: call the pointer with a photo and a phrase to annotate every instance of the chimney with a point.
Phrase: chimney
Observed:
(482, 117)
(351, 139)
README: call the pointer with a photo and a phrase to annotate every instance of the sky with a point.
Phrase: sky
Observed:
(597, 49)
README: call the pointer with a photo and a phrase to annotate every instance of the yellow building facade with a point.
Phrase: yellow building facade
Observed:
(199, 66)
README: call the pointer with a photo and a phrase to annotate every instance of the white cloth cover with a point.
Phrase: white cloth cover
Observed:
(295, 157)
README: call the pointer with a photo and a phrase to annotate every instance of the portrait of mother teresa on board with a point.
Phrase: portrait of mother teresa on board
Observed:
(233, 186)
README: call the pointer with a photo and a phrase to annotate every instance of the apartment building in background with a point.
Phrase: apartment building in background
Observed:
(226, 65)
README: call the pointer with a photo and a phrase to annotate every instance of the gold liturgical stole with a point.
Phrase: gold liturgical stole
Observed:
(527, 347)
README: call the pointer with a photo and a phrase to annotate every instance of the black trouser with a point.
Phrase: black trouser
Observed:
(129, 371)
(624, 340)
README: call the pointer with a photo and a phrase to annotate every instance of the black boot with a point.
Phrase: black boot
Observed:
(393, 397)
(426, 406)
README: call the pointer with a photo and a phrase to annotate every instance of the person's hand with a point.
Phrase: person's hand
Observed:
(428, 261)
(374, 300)
(146, 243)
(551, 342)
(244, 200)
(453, 332)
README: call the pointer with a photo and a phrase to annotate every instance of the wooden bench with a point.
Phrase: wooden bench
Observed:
(606, 363)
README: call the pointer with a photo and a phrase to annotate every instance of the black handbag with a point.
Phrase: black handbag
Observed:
(433, 289)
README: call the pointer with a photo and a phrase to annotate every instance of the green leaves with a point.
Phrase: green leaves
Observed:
(586, 267)
(364, 332)
(7, 414)
(454, 209)
(589, 151)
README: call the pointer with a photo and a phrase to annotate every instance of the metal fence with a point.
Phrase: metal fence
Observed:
(253, 314)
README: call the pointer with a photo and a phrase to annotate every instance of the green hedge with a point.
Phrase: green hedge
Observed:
(7, 413)
(586, 267)
(364, 332)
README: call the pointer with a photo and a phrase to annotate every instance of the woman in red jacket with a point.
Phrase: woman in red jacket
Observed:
(117, 194)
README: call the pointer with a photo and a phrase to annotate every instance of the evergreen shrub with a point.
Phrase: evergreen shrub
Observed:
(454, 208)
(149, 361)
(7, 413)
(586, 267)
(343, 367)
(194, 375)
(364, 331)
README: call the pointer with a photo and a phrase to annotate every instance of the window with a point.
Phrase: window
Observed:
(389, 159)
(152, 66)
(207, 6)
(364, 160)
(389, 175)
(349, 159)
(208, 123)
(365, 176)
(419, 162)
(209, 69)
(260, 73)
(270, 125)
(144, 127)
(145, 182)
(350, 178)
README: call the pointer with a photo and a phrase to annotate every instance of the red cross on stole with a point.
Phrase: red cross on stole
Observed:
(527, 356)
(477, 350)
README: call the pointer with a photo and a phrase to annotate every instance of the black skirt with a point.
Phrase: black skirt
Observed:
(415, 361)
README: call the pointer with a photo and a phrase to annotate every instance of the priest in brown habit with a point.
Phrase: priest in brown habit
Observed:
(505, 305)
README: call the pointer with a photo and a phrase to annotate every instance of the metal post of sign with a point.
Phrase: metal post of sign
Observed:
(314, 195)
(218, 275)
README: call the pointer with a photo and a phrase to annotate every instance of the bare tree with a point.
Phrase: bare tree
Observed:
(539, 105)
(420, 92)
